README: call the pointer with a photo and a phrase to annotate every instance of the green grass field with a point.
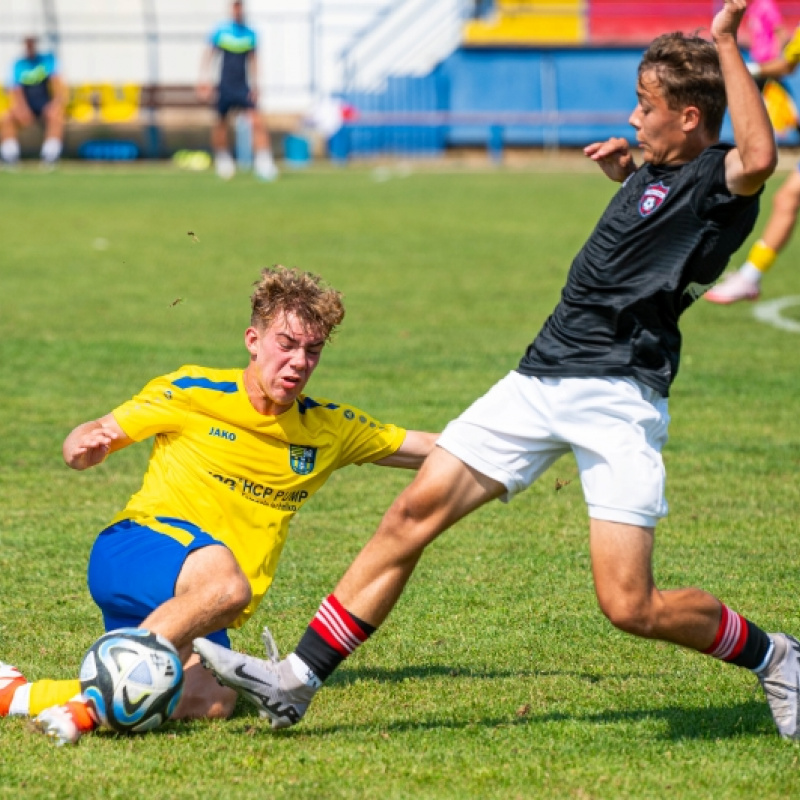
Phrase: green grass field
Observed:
(496, 676)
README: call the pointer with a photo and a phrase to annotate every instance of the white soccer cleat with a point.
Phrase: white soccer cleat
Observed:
(732, 289)
(264, 167)
(10, 680)
(67, 723)
(271, 687)
(780, 680)
(225, 166)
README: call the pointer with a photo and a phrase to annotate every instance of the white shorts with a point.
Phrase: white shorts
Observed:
(616, 427)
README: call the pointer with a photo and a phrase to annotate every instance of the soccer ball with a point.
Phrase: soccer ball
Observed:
(132, 679)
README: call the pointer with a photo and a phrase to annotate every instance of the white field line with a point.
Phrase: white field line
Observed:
(769, 311)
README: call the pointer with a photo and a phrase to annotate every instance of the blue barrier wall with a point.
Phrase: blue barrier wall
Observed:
(578, 85)
(499, 97)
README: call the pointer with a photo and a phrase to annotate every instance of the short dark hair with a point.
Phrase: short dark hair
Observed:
(688, 72)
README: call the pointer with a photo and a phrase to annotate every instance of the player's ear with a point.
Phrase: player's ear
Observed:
(691, 118)
(251, 340)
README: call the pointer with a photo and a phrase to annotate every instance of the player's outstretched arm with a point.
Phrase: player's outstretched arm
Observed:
(613, 157)
(412, 452)
(748, 166)
(89, 444)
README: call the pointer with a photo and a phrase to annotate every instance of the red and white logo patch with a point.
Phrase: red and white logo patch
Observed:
(654, 195)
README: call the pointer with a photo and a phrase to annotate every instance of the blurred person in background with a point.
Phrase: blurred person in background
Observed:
(745, 283)
(37, 94)
(237, 91)
(765, 31)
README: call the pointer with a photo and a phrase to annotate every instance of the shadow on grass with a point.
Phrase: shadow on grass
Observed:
(683, 722)
(750, 718)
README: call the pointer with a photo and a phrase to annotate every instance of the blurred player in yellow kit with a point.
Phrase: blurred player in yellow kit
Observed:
(237, 453)
(745, 283)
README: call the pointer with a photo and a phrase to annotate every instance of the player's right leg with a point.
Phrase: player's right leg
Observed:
(224, 164)
(444, 491)
(174, 579)
(9, 143)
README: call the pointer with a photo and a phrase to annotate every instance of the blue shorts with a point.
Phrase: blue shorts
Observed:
(37, 99)
(230, 99)
(133, 570)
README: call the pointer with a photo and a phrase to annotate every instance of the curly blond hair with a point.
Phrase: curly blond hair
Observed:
(284, 290)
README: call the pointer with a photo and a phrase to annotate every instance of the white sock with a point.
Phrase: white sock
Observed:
(21, 702)
(51, 150)
(9, 150)
(751, 273)
(303, 672)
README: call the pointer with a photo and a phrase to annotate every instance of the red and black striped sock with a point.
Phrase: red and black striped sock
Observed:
(739, 641)
(331, 637)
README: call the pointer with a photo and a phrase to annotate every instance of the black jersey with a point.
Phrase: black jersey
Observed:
(664, 239)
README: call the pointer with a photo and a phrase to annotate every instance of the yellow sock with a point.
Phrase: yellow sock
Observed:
(761, 256)
(46, 694)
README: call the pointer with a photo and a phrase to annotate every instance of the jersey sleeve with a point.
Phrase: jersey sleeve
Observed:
(364, 439)
(160, 407)
(712, 198)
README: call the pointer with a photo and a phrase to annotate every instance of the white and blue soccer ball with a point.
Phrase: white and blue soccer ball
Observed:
(132, 679)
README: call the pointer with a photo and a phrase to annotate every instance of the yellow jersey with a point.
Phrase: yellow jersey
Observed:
(239, 475)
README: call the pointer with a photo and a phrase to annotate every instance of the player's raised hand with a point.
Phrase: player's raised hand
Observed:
(727, 20)
(613, 157)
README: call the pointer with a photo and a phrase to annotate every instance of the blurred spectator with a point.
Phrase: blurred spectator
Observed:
(237, 90)
(765, 31)
(745, 283)
(37, 93)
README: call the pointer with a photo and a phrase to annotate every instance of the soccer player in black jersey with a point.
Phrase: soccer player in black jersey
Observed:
(594, 382)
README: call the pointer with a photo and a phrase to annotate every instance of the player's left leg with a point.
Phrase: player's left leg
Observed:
(263, 163)
(53, 118)
(622, 568)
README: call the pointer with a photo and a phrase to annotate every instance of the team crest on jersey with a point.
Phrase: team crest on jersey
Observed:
(302, 458)
(654, 195)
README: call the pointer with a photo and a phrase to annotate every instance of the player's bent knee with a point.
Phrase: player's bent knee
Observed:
(233, 594)
(408, 525)
(629, 616)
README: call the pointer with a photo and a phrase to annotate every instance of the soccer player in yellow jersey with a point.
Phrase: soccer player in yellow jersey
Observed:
(237, 453)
